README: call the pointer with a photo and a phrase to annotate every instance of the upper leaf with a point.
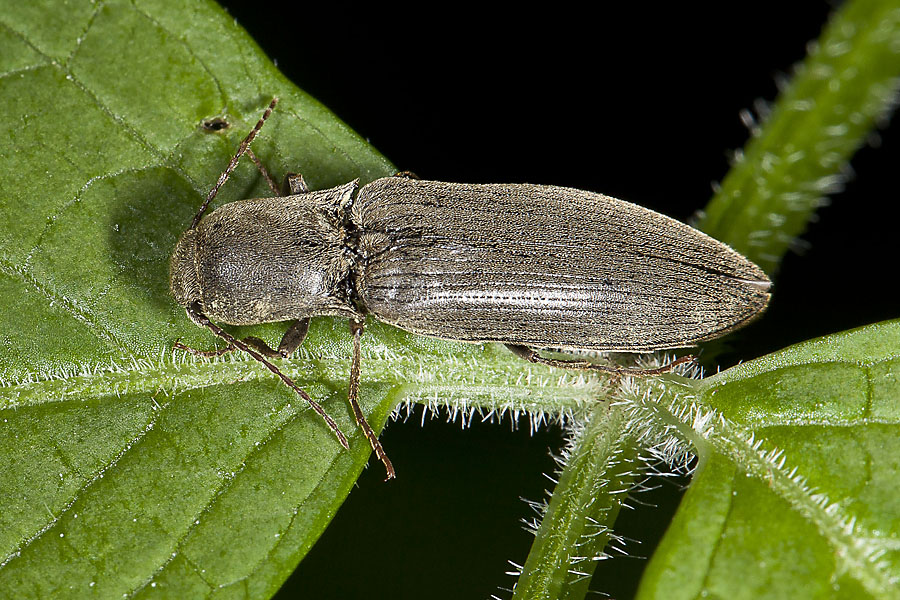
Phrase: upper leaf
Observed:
(130, 469)
(796, 481)
(126, 468)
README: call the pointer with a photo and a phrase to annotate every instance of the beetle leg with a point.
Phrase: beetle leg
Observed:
(199, 318)
(293, 337)
(406, 175)
(582, 365)
(294, 184)
(356, 327)
(262, 347)
(290, 341)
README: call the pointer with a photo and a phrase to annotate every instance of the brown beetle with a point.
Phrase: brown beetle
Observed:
(529, 266)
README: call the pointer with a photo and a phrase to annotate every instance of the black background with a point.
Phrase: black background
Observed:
(640, 104)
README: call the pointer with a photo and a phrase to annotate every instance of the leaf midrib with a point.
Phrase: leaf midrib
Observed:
(174, 372)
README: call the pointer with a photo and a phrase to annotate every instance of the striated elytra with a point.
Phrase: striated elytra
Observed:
(529, 266)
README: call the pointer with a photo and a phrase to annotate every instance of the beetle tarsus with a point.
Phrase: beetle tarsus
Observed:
(294, 184)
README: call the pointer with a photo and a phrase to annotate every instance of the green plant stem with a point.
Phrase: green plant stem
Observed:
(598, 472)
(799, 151)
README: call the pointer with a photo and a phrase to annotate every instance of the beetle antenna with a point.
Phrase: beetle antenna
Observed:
(199, 318)
(265, 173)
(356, 327)
(244, 147)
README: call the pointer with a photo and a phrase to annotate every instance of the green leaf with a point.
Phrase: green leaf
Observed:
(796, 483)
(129, 468)
(794, 489)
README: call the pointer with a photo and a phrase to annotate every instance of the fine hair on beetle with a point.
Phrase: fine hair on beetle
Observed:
(530, 266)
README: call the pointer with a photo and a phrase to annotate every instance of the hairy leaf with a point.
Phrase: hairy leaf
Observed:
(129, 468)
(795, 488)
